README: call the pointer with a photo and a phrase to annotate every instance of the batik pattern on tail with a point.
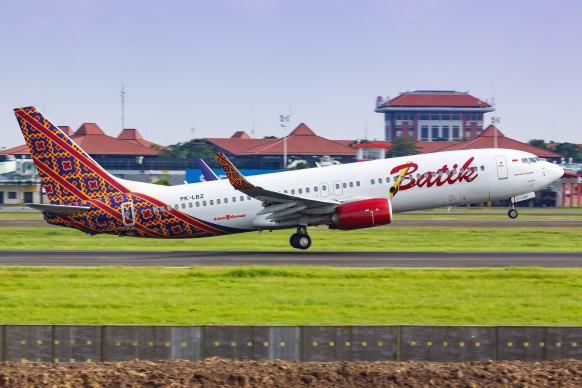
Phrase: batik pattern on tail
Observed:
(67, 173)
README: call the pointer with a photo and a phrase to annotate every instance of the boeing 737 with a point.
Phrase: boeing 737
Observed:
(84, 196)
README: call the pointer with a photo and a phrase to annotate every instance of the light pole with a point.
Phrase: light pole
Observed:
(284, 122)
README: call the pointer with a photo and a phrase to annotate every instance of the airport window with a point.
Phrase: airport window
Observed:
(218, 201)
(183, 206)
(345, 185)
(455, 132)
(12, 195)
(425, 116)
(372, 181)
(211, 202)
(445, 116)
(351, 184)
(445, 130)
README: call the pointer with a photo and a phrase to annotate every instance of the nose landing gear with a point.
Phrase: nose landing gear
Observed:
(300, 239)
(512, 213)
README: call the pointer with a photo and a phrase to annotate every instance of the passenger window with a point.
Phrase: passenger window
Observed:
(211, 202)
(315, 188)
(300, 191)
(249, 197)
(358, 183)
(345, 185)
(197, 204)
(183, 206)
(190, 205)
(226, 200)
(176, 206)
(307, 189)
(373, 181)
(337, 186)
(482, 168)
(351, 184)
(324, 188)
(233, 199)
(387, 179)
(292, 191)
(203, 203)
(379, 180)
(218, 201)
(242, 198)
(285, 191)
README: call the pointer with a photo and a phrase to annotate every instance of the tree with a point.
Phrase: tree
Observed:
(569, 150)
(403, 146)
(540, 143)
(164, 181)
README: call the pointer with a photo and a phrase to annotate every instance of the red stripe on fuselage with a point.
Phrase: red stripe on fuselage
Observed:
(182, 216)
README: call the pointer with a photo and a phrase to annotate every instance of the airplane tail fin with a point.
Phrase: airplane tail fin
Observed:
(67, 173)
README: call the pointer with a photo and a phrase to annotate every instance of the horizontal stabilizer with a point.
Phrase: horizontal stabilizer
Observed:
(58, 209)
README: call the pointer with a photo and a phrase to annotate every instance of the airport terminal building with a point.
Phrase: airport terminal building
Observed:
(433, 115)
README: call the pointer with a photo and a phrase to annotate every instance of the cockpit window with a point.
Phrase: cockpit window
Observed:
(532, 160)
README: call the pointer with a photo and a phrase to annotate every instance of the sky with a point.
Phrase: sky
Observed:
(194, 68)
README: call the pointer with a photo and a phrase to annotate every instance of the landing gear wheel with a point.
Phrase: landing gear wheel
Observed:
(301, 239)
(512, 213)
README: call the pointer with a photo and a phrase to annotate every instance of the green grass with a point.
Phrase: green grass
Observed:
(290, 296)
(389, 238)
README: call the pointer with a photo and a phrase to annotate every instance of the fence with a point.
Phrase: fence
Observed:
(62, 343)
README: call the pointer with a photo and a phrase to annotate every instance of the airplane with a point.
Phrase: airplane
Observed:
(84, 196)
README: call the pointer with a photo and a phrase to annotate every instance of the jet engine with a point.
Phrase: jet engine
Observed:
(362, 214)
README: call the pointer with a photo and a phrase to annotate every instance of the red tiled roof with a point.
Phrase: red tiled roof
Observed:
(441, 99)
(301, 141)
(426, 147)
(133, 136)
(89, 129)
(487, 140)
(240, 135)
(95, 142)
(66, 129)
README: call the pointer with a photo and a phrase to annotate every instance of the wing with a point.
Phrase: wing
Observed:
(278, 206)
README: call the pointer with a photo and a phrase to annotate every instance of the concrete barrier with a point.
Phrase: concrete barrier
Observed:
(86, 343)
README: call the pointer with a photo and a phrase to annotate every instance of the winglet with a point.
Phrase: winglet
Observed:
(208, 174)
(236, 179)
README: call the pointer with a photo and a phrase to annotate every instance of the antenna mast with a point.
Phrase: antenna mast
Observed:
(122, 107)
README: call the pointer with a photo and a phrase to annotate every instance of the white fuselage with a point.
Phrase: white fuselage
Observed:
(440, 179)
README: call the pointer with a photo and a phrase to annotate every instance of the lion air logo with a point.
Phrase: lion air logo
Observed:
(444, 175)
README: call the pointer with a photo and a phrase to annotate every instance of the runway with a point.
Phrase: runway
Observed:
(335, 259)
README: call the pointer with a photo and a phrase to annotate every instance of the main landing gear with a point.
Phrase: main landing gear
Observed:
(300, 239)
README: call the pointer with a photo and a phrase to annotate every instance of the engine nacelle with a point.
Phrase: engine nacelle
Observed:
(363, 214)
